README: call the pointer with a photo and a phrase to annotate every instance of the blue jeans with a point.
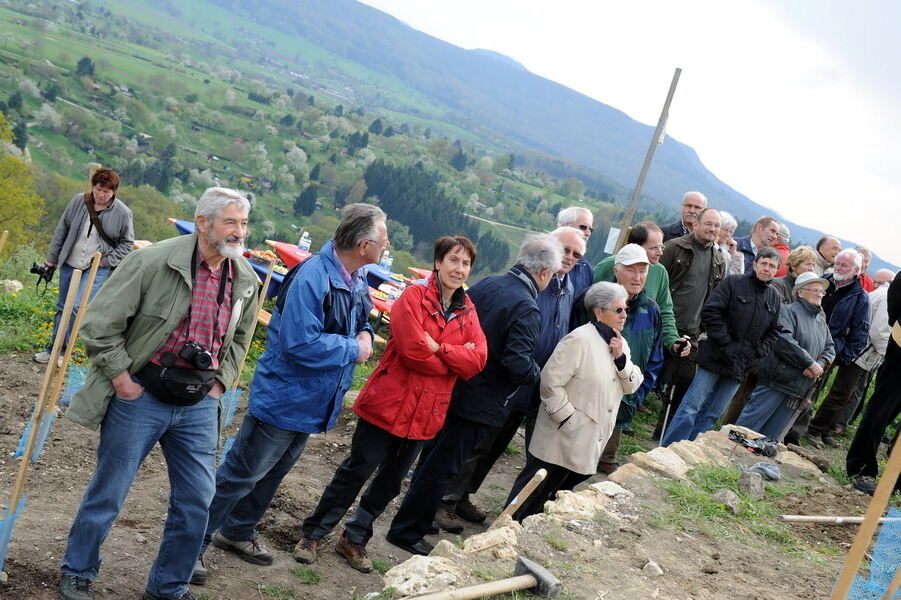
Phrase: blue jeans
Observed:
(704, 402)
(247, 480)
(766, 412)
(188, 437)
(65, 278)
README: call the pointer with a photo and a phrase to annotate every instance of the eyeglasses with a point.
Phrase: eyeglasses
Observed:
(656, 248)
(813, 291)
(576, 255)
(587, 228)
(385, 245)
(618, 310)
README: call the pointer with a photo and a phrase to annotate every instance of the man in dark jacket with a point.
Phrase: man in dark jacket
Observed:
(884, 406)
(847, 307)
(508, 312)
(741, 320)
(764, 234)
(695, 266)
(692, 204)
(555, 303)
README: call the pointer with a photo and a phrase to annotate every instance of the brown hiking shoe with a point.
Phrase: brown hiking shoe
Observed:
(306, 551)
(470, 512)
(354, 554)
(448, 520)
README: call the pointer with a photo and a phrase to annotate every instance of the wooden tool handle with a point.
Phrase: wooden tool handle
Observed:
(522, 582)
(524, 493)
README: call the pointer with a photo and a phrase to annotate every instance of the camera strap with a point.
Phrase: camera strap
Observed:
(95, 219)
(220, 296)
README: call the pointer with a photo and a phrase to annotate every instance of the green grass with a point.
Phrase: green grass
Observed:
(512, 450)
(554, 541)
(307, 575)
(381, 566)
(278, 592)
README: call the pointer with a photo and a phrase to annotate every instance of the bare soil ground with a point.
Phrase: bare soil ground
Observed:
(595, 559)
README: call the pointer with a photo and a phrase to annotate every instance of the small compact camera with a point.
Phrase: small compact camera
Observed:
(197, 355)
(43, 272)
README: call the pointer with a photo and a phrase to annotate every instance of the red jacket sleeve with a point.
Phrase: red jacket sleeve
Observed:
(408, 334)
(462, 361)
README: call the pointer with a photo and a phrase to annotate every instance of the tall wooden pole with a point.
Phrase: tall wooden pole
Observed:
(661, 126)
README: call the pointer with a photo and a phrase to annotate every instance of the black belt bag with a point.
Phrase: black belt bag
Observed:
(182, 387)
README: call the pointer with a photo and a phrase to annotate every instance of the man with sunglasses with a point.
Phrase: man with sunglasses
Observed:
(579, 218)
(555, 303)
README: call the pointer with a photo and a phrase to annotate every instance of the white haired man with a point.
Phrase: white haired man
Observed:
(165, 339)
(579, 218)
(692, 204)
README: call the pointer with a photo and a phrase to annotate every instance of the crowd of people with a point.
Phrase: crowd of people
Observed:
(742, 330)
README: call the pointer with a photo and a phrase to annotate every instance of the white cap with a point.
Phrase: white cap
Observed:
(631, 254)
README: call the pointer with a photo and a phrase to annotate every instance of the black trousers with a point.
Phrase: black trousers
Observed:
(489, 448)
(372, 450)
(558, 478)
(833, 407)
(882, 409)
(439, 463)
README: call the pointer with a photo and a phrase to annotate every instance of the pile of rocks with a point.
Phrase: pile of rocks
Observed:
(612, 502)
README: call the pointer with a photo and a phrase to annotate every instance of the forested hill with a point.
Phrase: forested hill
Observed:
(485, 91)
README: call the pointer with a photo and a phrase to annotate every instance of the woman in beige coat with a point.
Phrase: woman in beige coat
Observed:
(581, 388)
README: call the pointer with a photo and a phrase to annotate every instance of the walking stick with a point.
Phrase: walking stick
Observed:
(523, 494)
(669, 404)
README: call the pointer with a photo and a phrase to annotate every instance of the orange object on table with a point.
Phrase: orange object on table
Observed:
(420, 273)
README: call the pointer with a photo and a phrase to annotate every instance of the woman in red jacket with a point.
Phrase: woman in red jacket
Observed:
(435, 338)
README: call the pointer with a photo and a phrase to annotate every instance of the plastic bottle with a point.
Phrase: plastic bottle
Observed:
(385, 261)
(305, 242)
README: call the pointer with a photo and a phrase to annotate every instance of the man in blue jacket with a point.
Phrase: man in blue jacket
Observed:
(764, 234)
(314, 341)
(847, 307)
(508, 313)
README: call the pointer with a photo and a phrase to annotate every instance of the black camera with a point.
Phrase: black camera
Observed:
(43, 272)
(196, 354)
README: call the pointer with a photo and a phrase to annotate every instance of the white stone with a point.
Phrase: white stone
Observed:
(662, 461)
(610, 489)
(423, 575)
(10, 286)
(652, 569)
(501, 542)
(573, 505)
(806, 468)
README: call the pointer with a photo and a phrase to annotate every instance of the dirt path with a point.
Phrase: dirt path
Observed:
(591, 558)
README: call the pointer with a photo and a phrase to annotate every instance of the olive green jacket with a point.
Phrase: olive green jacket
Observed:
(137, 308)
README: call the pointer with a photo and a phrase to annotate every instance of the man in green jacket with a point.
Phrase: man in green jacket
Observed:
(166, 338)
(650, 237)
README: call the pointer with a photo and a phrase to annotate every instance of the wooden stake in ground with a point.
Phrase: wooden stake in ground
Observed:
(43, 396)
(833, 520)
(870, 521)
(523, 494)
(3, 237)
(656, 140)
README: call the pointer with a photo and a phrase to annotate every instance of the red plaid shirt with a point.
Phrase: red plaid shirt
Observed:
(208, 321)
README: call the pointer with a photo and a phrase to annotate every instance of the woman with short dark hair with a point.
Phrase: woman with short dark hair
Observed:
(435, 339)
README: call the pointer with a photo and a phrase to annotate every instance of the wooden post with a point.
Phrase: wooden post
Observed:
(52, 370)
(870, 521)
(3, 237)
(70, 343)
(661, 126)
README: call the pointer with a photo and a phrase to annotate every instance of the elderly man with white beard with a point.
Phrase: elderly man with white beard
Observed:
(847, 309)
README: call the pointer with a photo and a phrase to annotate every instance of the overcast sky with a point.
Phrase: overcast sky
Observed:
(795, 104)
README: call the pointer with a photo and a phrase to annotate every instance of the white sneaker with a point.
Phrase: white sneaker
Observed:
(42, 357)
